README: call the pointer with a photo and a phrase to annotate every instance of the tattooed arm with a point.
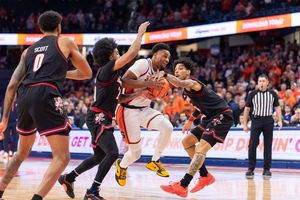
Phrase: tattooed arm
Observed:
(187, 84)
(12, 87)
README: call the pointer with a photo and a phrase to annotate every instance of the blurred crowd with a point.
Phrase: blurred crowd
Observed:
(232, 78)
(89, 16)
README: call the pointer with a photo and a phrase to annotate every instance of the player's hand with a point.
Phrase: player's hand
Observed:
(3, 127)
(157, 75)
(143, 28)
(187, 127)
(147, 94)
(155, 84)
(246, 129)
(280, 125)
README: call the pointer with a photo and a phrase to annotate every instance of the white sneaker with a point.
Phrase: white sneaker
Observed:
(5, 158)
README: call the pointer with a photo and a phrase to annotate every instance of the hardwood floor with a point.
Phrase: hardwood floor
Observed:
(144, 184)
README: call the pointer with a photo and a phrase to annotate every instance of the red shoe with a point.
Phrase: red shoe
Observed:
(175, 188)
(201, 182)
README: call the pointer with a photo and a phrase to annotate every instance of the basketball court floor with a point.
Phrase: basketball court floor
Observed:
(143, 184)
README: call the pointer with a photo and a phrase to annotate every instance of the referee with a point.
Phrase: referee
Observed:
(261, 101)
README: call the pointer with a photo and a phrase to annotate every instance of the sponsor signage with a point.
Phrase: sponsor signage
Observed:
(121, 39)
(29, 39)
(211, 30)
(186, 33)
(8, 39)
(263, 23)
(166, 35)
(286, 144)
(295, 19)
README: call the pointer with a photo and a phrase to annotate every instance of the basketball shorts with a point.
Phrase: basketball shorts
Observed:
(215, 129)
(40, 108)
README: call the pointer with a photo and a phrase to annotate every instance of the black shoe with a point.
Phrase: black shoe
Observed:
(94, 195)
(68, 187)
(249, 174)
(267, 174)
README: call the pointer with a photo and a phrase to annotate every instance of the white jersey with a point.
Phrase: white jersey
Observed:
(142, 69)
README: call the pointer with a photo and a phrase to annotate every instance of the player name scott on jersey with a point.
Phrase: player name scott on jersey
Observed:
(40, 49)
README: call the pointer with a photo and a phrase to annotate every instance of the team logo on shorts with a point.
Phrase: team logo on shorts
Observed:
(217, 120)
(99, 118)
(58, 104)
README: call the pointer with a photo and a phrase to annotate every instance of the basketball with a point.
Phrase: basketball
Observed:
(161, 92)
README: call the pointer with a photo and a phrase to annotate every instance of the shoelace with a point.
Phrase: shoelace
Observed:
(123, 173)
(160, 166)
(174, 183)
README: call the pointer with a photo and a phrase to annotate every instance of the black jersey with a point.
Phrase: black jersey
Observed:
(207, 101)
(107, 89)
(45, 63)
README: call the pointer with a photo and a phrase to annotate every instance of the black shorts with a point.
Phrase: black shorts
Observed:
(97, 123)
(40, 108)
(214, 129)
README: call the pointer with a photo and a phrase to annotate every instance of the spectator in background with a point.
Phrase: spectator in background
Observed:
(249, 9)
(282, 92)
(241, 121)
(276, 120)
(237, 112)
(11, 136)
(290, 98)
(171, 109)
(182, 120)
(239, 11)
(295, 119)
(288, 114)
(159, 105)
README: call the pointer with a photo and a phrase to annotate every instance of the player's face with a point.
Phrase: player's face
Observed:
(116, 54)
(162, 58)
(181, 72)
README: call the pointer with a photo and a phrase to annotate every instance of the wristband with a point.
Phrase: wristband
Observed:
(165, 75)
(196, 113)
(191, 118)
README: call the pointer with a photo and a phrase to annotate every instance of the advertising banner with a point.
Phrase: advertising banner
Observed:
(286, 144)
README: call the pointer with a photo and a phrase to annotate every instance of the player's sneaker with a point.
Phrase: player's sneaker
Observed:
(175, 188)
(68, 187)
(120, 173)
(158, 168)
(94, 195)
(201, 182)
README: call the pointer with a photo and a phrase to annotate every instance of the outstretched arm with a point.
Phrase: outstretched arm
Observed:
(187, 84)
(133, 49)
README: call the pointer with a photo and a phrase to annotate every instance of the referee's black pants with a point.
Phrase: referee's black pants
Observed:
(266, 126)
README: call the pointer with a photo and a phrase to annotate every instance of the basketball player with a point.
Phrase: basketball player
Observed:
(213, 128)
(99, 117)
(42, 70)
(136, 113)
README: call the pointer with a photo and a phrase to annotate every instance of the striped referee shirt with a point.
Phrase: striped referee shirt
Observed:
(262, 102)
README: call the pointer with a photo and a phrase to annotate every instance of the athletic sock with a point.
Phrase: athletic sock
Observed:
(186, 180)
(37, 197)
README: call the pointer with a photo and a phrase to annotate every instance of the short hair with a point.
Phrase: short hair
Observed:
(187, 62)
(264, 76)
(103, 49)
(160, 46)
(49, 20)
